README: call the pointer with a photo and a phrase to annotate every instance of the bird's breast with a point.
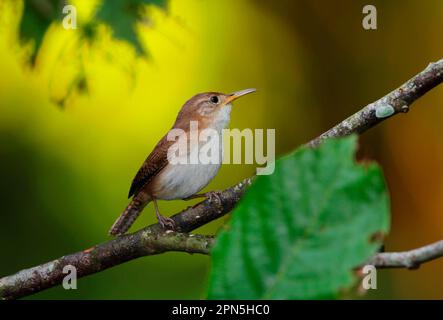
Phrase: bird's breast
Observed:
(187, 177)
(181, 181)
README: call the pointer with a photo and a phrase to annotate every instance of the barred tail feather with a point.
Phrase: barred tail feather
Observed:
(127, 218)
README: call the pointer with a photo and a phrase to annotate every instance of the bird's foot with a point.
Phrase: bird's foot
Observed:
(165, 222)
(214, 196)
(210, 195)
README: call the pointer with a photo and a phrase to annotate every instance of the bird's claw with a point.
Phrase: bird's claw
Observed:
(210, 195)
(166, 223)
(214, 196)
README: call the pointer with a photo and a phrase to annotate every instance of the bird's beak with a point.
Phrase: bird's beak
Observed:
(238, 94)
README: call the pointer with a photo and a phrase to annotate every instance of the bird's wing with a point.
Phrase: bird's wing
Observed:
(155, 162)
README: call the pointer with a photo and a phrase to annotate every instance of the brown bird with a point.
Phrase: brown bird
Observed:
(158, 178)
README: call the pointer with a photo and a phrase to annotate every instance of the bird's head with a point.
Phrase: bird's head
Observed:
(213, 108)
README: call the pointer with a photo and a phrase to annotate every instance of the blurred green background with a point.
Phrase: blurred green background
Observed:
(65, 172)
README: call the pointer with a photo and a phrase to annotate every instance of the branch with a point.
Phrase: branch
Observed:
(411, 259)
(100, 257)
(147, 241)
(397, 101)
(142, 243)
(153, 240)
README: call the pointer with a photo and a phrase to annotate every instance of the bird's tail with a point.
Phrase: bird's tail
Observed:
(127, 218)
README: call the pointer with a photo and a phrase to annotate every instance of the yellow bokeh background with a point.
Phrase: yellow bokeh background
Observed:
(66, 170)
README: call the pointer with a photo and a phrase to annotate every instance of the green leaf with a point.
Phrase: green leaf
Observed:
(298, 233)
(122, 16)
(37, 17)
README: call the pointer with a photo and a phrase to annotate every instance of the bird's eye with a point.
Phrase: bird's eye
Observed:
(214, 99)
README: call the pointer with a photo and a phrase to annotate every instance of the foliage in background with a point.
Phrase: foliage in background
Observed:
(299, 233)
(121, 16)
(37, 17)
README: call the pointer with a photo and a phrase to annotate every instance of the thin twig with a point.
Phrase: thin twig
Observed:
(152, 239)
(411, 259)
